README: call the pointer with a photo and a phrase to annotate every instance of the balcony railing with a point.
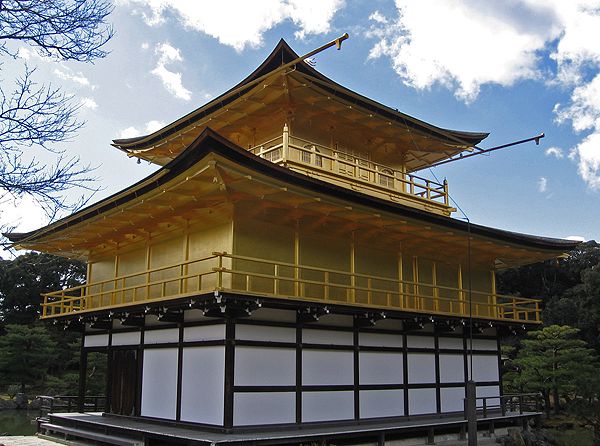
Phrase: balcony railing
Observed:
(513, 404)
(354, 172)
(259, 277)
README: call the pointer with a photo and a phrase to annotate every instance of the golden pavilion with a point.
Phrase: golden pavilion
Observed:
(288, 267)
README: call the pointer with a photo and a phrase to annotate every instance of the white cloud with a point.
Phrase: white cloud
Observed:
(556, 152)
(150, 127)
(466, 45)
(378, 17)
(311, 16)
(587, 155)
(170, 79)
(67, 74)
(129, 132)
(584, 110)
(584, 115)
(578, 238)
(145, 45)
(542, 184)
(89, 103)
(242, 23)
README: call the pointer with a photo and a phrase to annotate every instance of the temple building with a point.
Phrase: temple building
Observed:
(288, 268)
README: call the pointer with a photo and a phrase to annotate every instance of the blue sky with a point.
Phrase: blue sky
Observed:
(513, 68)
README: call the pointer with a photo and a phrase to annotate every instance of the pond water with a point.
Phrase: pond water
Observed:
(18, 422)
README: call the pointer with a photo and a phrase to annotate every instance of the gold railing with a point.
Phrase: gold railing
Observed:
(354, 171)
(259, 277)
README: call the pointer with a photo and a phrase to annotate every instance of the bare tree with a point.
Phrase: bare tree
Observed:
(36, 115)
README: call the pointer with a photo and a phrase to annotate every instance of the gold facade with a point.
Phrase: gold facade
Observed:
(291, 187)
(300, 259)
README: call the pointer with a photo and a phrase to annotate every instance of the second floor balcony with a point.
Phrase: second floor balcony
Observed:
(355, 172)
(250, 276)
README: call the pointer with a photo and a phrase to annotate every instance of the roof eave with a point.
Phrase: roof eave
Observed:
(210, 141)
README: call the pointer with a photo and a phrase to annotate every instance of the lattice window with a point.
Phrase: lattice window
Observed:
(308, 153)
(386, 178)
(273, 155)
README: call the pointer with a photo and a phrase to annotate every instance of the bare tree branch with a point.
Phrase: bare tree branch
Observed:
(64, 29)
(34, 116)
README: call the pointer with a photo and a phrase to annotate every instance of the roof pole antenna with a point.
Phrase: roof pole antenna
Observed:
(537, 138)
(339, 40)
(482, 151)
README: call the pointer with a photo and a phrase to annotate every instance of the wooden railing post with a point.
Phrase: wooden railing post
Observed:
(220, 271)
(181, 279)
(286, 142)
(446, 197)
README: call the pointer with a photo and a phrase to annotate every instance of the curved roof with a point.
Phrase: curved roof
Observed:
(448, 142)
(210, 142)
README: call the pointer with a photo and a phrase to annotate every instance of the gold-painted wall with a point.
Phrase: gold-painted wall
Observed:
(343, 268)
(266, 241)
(145, 270)
(332, 265)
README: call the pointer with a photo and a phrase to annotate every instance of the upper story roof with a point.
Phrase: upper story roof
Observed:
(278, 93)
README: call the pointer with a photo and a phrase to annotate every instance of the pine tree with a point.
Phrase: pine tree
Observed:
(26, 353)
(554, 362)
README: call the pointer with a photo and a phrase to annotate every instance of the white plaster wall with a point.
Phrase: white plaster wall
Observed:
(421, 368)
(381, 403)
(167, 335)
(327, 337)
(456, 343)
(380, 339)
(265, 333)
(129, 338)
(159, 383)
(321, 367)
(204, 333)
(421, 401)
(263, 366)
(203, 381)
(264, 408)
(452, 399)
(380, 368)
(485, 368)
(98, 340)
(452, 368)
(327, 406)
(420, 342)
